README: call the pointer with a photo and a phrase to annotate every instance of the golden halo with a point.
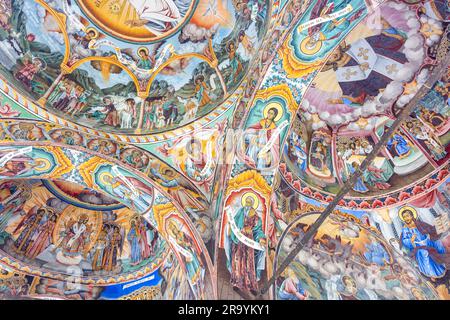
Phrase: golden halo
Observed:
(315, 48)
(92, 29)
(172, 228)
(42, 164)
(164, 169)
(277, 106)
(143, 48)
(6, 274)
(343, 278)
(102, 178)
(253, 196)
(135, 219)
(400, 212)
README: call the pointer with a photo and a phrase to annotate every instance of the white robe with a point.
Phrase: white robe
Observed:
(157, 13)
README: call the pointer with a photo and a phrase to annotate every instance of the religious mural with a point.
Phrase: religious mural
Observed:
(179, 149)
(346, 260)
(159, 66)
(55, 236)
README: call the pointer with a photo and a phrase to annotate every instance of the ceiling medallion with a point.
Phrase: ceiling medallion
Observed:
(139, 20)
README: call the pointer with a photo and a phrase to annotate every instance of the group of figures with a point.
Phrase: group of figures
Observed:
(177, 185)
(122, 109)
(348, 260)
(54, 236)
(325, 160)
(372, 72)
(167, 282)
(92, 74)
(400, 252)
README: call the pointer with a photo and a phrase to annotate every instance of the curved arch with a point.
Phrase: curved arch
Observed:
(61, 20)
(90, 169)
(176, 57)
(112, 60)
(86, 139)
(30, 193)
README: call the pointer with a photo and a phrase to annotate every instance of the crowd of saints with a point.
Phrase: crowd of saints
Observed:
(94, 240)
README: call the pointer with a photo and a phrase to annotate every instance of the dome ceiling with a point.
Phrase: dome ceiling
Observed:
(353, 100)
(130, 67)
(44, 235)
(173, 149)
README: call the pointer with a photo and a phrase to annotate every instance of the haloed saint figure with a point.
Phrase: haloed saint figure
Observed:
(158, 16)
(245, 246)
(139, 20)
(423, 243)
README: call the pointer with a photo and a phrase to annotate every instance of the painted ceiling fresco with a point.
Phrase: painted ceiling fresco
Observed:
(182, 149)
(133, 67)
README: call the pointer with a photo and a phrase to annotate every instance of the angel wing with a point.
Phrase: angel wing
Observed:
(131, 53)
(76, 23)
(156, 47)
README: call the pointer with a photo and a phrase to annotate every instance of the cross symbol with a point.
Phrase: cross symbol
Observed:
(349, 73)
(392, 69)
(363, 53)
(364, 66)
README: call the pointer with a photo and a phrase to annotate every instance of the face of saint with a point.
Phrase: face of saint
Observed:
(271, 115)
(408, 216)
(108, 179)
(168, 173)
(10, 166)
(195, 149)
(349, 285)
(143, 54)
(335, 56)
(90, 35)
(249, 202)
(83, 220)
(136, 154)
(107, 101)
(37, 64)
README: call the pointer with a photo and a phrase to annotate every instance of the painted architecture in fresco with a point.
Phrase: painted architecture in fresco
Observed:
(180, 149)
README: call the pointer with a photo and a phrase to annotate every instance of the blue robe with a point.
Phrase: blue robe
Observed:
(301, 158)
(425, 262)
(359, 185)
(401, 148)
(376, 254)
(135, 247)
(283, 295)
